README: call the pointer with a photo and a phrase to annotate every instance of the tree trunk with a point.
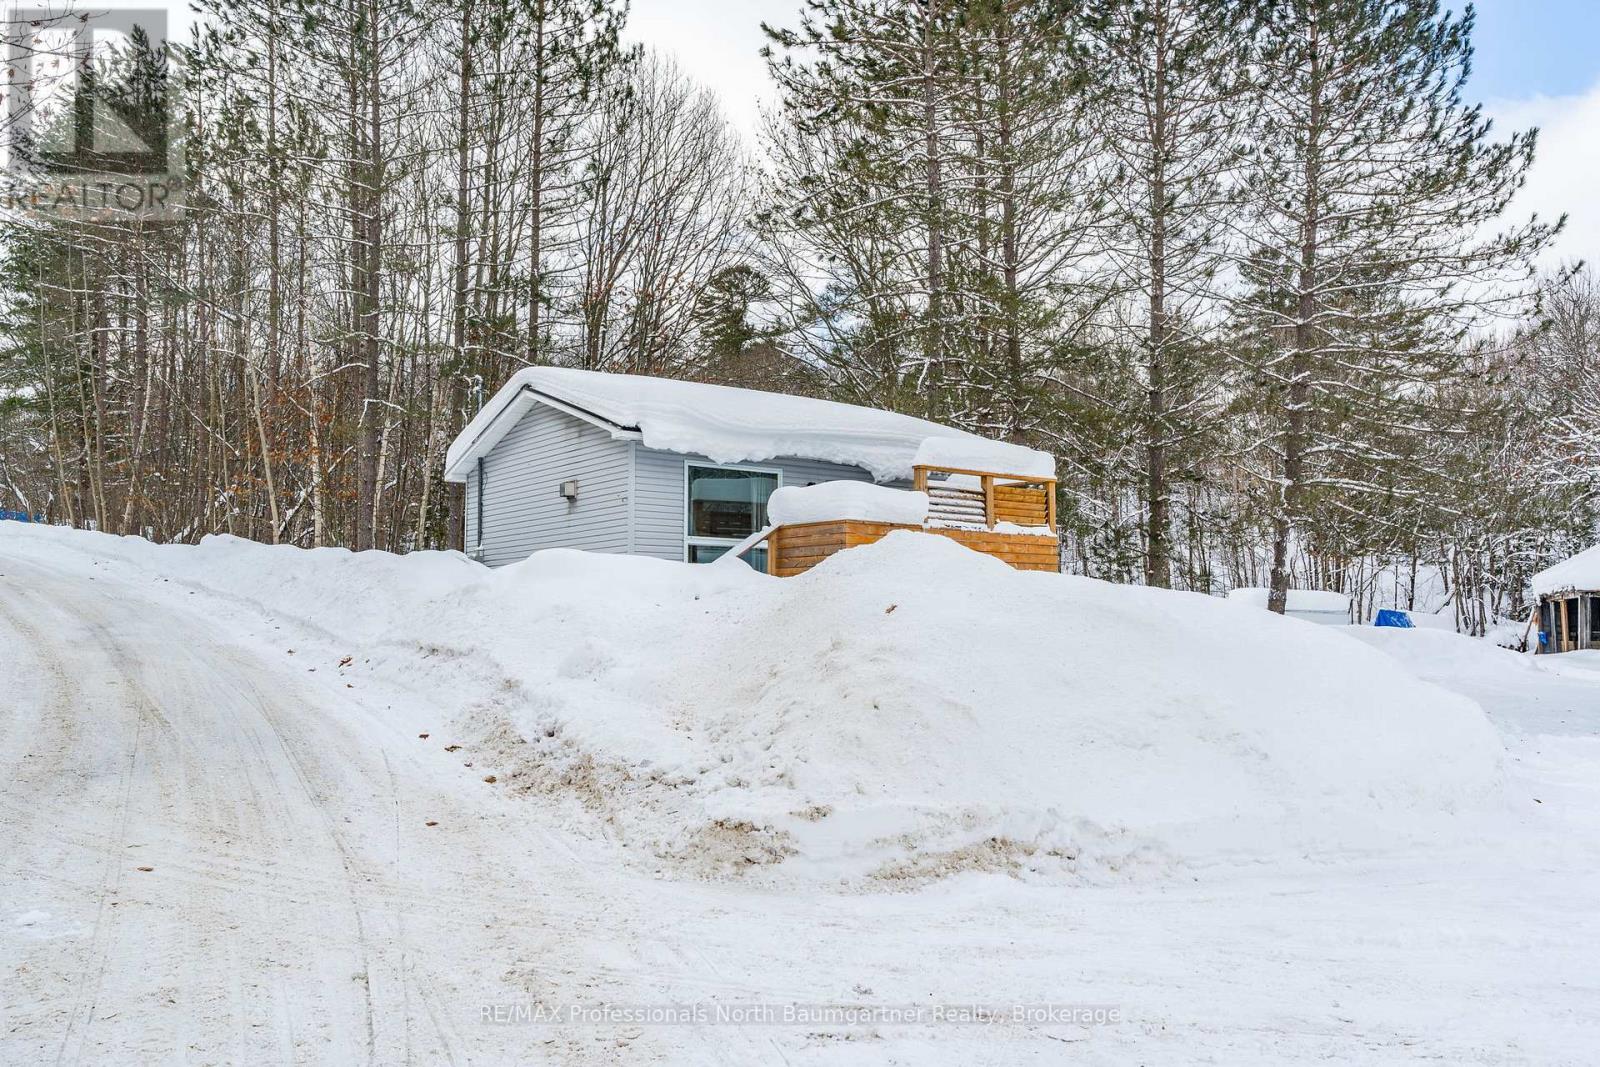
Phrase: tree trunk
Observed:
(930, 117)
(1009, 246)
(536, 189)
(1158, 551)
(368, 247)
(456, 390)
(1305, 330)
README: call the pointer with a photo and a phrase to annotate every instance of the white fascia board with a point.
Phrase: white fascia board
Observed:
(509, 415)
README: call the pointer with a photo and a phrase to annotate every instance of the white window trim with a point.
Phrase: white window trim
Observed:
(722, 542)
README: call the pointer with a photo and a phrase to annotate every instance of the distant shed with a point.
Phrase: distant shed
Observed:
(1569, 603)
(1312, 605)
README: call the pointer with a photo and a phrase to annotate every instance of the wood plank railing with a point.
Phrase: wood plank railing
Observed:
(1014, 498)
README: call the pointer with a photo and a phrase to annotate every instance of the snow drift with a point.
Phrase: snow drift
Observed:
(901, 711)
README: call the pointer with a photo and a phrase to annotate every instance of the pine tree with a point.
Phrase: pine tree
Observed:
(1033, 208)
(865, 159)
(1176, 108)
(933, 202)
(1371, 186)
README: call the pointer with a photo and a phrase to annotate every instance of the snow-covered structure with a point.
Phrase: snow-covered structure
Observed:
(1313, 605)
(567, 458)
(1569, 603)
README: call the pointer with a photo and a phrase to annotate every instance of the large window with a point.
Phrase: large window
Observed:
(726, 505)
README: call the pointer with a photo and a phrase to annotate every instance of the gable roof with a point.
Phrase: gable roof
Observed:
(724, 424)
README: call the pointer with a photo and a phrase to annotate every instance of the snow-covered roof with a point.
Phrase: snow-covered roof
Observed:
(1581, 573)
(1310, 600)
(725, 424)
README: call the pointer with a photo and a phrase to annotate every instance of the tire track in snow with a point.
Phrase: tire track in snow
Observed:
(245, 747)
(67, 695)
(173, 936)
(313, 799)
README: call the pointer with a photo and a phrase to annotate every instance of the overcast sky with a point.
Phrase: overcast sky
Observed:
(1537, 63)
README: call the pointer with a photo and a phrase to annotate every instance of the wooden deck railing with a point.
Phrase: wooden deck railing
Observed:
(971, 517)
(1014, 498)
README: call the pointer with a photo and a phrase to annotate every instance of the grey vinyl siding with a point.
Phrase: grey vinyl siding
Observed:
(523, 507)
(658, 507)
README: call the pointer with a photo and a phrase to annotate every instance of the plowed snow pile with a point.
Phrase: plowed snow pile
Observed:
(903, 711)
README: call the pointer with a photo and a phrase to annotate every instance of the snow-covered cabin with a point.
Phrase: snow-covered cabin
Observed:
(1312, 605)
(1569, 603)
(567, 458)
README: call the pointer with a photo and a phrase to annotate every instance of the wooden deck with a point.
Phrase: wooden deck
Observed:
(1008, 516)
(796, 549)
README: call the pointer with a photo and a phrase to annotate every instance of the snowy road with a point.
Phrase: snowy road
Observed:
(216, 849)
(217, 868)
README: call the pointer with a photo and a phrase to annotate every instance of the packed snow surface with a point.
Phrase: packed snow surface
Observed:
(827, 501)
(978, 454)
(270, 805)
(725, 424)
(1581, 573)
(1299, 599)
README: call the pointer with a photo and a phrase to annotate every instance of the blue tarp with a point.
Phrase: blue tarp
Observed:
(20, 516)
(1390, 617)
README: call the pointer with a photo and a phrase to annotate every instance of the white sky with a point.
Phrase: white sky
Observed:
(1565, 168)
(717, 42)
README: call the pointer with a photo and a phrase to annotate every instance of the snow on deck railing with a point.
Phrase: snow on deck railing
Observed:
(969, 455)
(842, 500)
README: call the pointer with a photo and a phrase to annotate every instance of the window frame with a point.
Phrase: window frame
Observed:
(691, 540)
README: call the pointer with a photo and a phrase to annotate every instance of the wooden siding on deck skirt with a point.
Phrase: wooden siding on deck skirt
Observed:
(796, 549)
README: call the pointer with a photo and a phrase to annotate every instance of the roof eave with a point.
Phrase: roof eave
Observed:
(458, 471)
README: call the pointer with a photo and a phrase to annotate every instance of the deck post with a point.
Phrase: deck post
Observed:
(988, 500)
(1050, 505)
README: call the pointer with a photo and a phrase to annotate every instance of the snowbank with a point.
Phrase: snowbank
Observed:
(901, 711)
(1581, 573)
(827, 501)
(1310, 600)
(1444, 654)
(979, 454)
(725, 424)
